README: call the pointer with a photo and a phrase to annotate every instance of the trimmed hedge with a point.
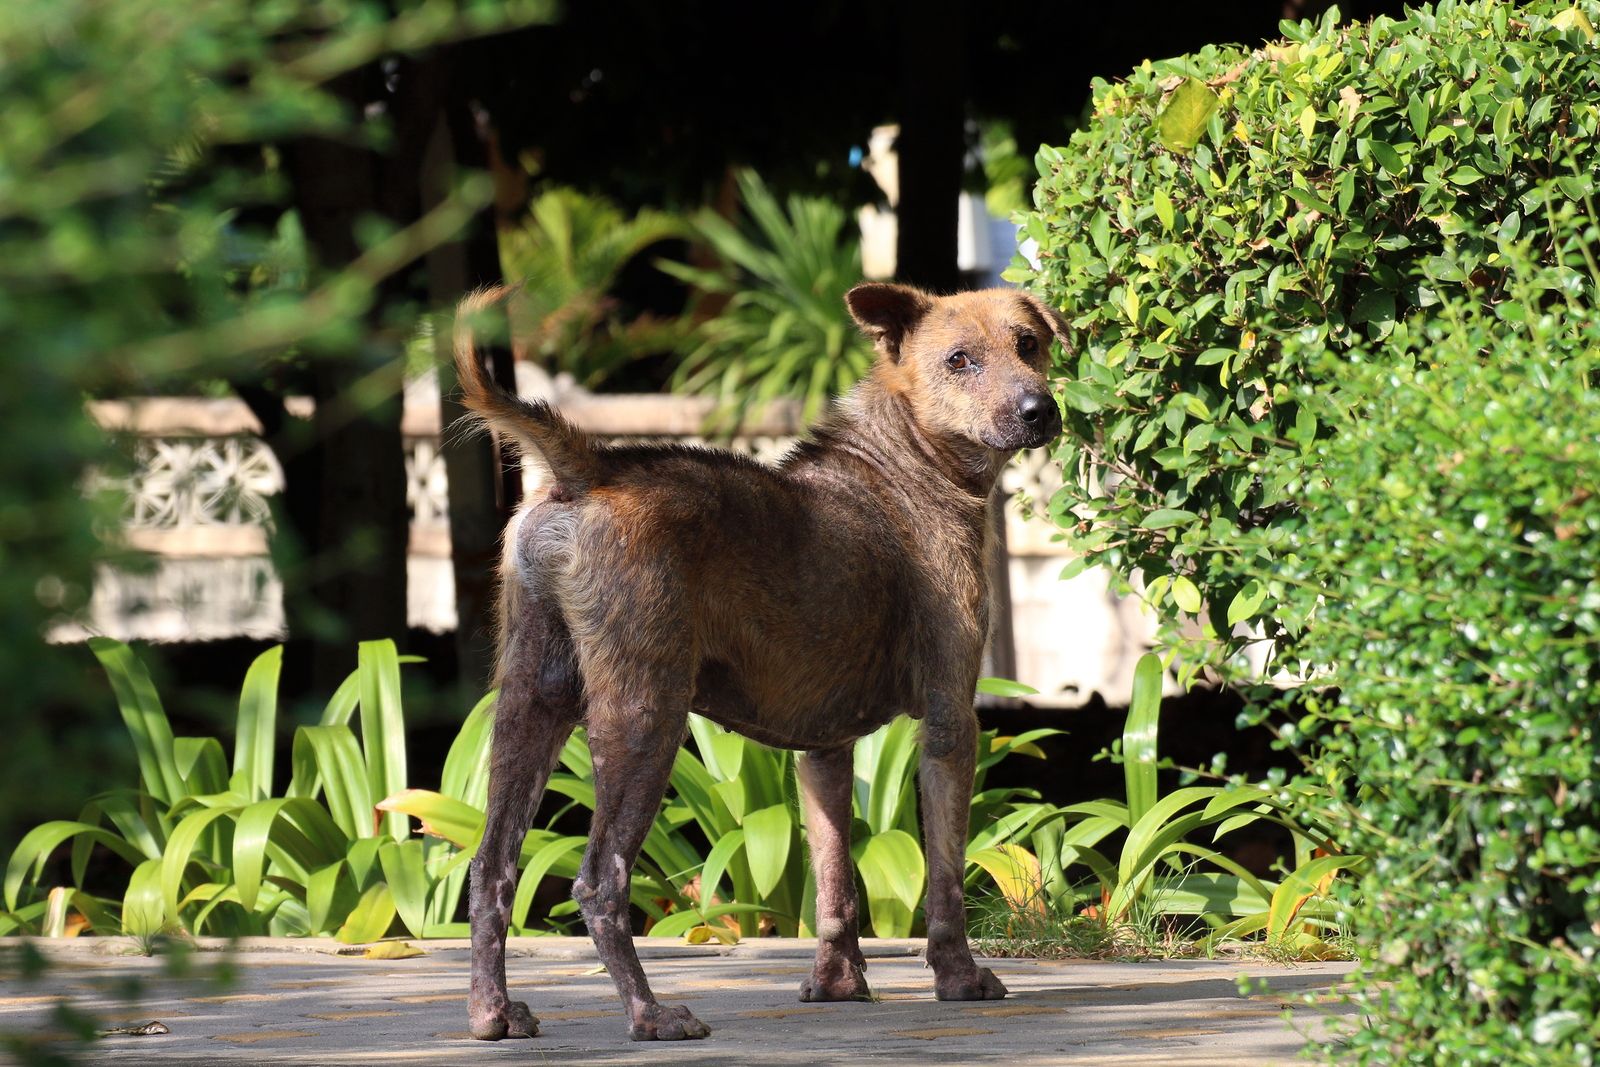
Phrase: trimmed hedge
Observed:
(1321, 188)
(1334, 380)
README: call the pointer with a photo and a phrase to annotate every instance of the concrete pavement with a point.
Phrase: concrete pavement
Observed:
(298, 1002)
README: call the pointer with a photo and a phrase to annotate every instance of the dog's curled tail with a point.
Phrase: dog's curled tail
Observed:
(533, 424)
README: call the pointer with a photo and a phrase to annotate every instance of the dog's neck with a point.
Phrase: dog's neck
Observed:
(878, 425)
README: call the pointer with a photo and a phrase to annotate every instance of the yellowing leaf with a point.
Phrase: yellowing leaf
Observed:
(705, 934)
(1016, 872)
(1308, 121)
(1185, 115)
(1573, 18)
(392, 950)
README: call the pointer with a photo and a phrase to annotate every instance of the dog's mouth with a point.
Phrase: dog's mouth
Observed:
(1014, 434)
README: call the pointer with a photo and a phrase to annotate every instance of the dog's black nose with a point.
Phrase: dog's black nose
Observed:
(1033, 408)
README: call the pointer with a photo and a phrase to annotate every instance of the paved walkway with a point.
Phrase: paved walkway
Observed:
(297, 1002)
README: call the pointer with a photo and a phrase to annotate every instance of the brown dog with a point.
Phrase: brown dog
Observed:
(803, 605)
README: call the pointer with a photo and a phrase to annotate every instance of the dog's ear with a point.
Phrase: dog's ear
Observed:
(1052, 318)
(887, 312)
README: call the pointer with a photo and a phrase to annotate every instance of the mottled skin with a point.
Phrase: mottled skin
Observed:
(803, 605)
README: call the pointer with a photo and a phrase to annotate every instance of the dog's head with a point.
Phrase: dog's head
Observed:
(972, 366)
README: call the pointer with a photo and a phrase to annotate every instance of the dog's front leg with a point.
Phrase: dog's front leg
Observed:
(826, 779)
(949, 760)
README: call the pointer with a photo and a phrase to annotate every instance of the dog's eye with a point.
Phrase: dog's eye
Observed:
(958, 360)
(1027, 344)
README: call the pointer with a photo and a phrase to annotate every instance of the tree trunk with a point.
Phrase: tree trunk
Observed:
(356, 565)
(932, 143)
(484, 485)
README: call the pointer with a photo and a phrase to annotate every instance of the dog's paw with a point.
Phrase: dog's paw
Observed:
(842, 981)
(512, 1019)
(667, 1022)
(976, 984)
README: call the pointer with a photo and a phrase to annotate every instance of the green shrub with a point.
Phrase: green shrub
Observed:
(1320, 189)
(1334, 384)
(1446, 551)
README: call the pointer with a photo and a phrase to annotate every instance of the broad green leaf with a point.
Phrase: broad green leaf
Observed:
(342, 775)
(370, 919)
(892, 870)
(403, 870)
(37, 845)
(146, 721)
(174, 864)
(143, 911)
(717, 861)
(383, 736)
(256, 739)
(1005, 687)
(768, 833)
(1139, 734)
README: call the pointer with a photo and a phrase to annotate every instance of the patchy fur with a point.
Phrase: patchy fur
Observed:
(803, 605)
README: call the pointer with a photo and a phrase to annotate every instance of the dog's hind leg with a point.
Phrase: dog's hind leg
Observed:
(633, 742)
(949, 759)
(826, 779)
(535, 711)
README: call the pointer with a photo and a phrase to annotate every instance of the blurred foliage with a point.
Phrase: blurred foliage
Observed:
(567, 255)
(1322, 187)
(137, 141)
(781, 327)
(1335, 383)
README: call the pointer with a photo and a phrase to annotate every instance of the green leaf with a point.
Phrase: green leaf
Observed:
(717, 861)
(1163, 206)
(1139, 733)
(767, 836)
(1005, 687)
(383, 731)
(256, 737)
(146, 721)
(1387, 157)
(892, 870)
(1183, 119)
(1246, 602)
(370, 919)
(1163, 518)
(403, 870)
(180, 848)
(1185, 594)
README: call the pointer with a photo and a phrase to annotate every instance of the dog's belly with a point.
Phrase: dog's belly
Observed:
(814, 716)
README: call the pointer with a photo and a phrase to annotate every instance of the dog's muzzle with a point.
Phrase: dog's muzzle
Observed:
(1035, 421)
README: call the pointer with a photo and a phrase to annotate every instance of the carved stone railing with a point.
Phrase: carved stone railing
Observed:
(198, 503)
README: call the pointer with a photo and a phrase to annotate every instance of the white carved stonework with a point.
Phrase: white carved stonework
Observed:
(201, 481)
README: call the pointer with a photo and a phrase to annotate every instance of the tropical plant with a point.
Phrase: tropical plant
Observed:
(781, 328)
(213, 850)
(740, 798)
(1159, 871)
(567, 255)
